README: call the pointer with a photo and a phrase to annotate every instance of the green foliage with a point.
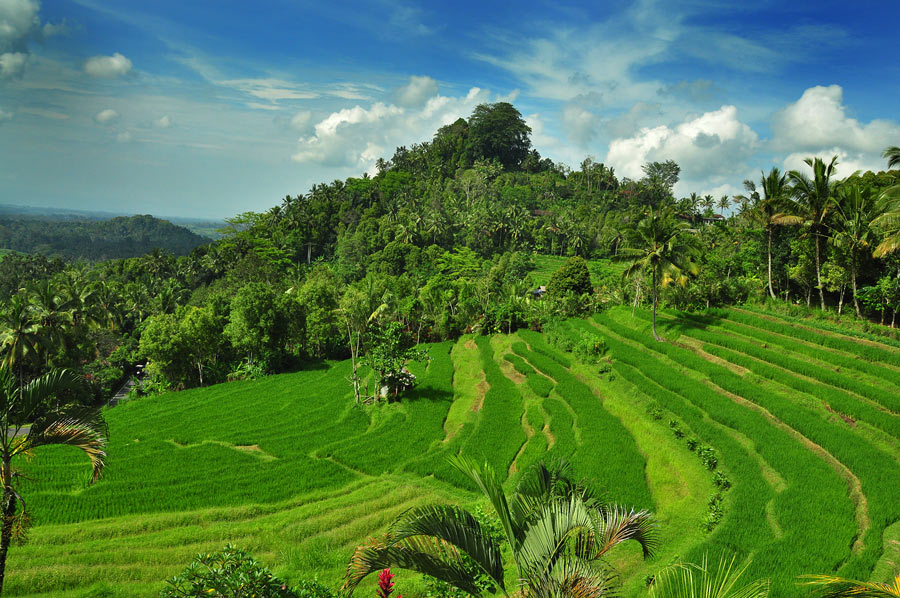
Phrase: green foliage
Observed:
(498, 132)
(389, 350)
(231, 573)
(572, 278)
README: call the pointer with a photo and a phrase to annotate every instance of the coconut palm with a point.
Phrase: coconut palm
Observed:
(662, 245)
(20, 336)
(76, 426)
(557, 531)
(828, 586)
(813, 197)
(855, 211)
(767, 207)
(893, 156)
(689, 580)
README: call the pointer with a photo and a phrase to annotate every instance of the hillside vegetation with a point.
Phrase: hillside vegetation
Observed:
(93, 240)
(749, 432)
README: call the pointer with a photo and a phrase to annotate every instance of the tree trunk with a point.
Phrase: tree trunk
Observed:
(9, 511)
(655, 301)
(853, 278)
(771, 290)
(841, 300)
(819, 270)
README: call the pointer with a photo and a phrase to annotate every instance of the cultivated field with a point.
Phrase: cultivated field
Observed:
(746, 431)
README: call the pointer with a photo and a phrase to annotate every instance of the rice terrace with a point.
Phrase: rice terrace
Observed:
(801, 421)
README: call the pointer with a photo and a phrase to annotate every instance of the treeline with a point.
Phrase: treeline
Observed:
(441, 241)
(95, 240)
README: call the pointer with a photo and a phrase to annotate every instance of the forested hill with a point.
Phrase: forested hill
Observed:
(93, 240)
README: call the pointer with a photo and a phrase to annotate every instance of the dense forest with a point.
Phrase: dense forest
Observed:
(94, 240)
(439, 242)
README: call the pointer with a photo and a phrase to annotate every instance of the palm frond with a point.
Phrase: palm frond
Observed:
(703, 581)
(454, 526)
(40, 389)
(82, 428)
(615, 525)
(425, 555)
(829, 586)
(491, 486)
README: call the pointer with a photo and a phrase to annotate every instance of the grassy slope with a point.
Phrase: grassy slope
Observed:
(286, 467)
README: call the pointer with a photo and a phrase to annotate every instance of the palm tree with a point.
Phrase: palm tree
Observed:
(660, 244)
(557, 531)
(19, 334)
(828, 586)
(76, 426)
(689, 580)
(855, 211)
(893, 156)
(767, 208)
(723, 203)
(814, 197)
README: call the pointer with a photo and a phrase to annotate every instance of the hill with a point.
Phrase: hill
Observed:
(81, 239)
(747, 430)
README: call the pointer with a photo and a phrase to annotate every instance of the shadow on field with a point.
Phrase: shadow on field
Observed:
(430, 394)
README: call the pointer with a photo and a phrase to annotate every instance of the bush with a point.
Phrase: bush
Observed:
(231, 573)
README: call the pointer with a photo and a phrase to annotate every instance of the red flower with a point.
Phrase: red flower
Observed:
(385, 585)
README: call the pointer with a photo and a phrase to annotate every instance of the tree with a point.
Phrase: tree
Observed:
(689, 580)
(893, 156)
(71, 426)
(813, 199)
(572, 277)
(829, 586)
(498, 131)
(557, 531)
(767, 208)
(659, 244)
(255, 324)
(856, 208)
(20, 337)
(388, 353)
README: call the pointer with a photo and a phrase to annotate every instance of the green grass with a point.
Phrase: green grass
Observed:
(288, 468)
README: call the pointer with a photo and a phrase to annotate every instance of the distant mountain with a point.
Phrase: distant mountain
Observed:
(93, 239)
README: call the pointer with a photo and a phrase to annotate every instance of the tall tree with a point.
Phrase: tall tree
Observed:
(74, 426)
(558, 533)
(767, 208)
(660, 244)
(813, 197)
(498, 132)
(856, 209)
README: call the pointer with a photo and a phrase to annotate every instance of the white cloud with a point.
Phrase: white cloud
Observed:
(819, 121)
(12, 64)
(270, 89)
(708, 148)
(4, 116)
(124, 137)
(44, 113)
(107, 67)
(356, 137)
(107, 116)
(163, 122)
(848, 161)
(416, 92)
(17, 19)
(302, 121)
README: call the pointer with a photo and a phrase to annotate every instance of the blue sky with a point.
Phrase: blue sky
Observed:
(208, 109)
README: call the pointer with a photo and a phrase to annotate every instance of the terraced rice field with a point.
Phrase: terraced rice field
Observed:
(745, 432)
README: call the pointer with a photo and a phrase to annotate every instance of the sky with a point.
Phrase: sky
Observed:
(209, 109)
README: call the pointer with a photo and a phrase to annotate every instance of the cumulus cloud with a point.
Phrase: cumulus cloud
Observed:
(104, 117)
(848, 162)
(163, 122)
(4, 116)
(357, 137)
(18, 18)
(12, 64)
(706, 147)
(124, 137)
(819, 121)
(107, 67)
(416, 92)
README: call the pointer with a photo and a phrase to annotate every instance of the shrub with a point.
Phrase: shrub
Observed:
(231, 573)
